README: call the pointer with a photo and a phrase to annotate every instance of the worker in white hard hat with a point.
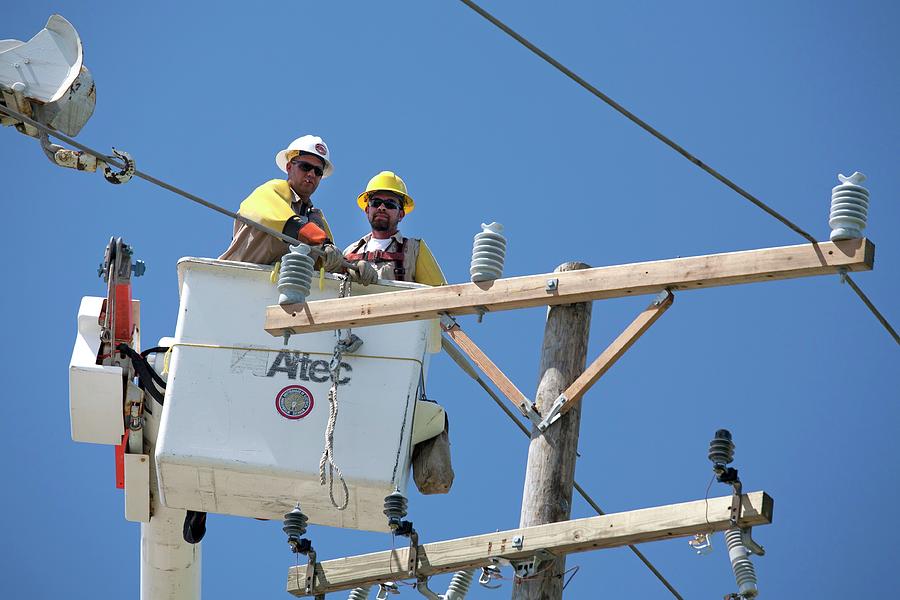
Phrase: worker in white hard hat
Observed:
(384, 253)
(285, 205)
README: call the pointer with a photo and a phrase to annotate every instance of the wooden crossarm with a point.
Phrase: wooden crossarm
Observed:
(579, 535)
(599, 283)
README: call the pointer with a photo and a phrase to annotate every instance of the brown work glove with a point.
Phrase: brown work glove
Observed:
(364, 273)
(332, 259)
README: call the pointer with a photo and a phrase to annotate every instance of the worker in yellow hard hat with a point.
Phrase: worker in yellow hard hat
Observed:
(384, 253)
(285, 205)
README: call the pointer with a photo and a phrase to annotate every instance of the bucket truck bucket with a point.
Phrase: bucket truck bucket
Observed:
(245, 414)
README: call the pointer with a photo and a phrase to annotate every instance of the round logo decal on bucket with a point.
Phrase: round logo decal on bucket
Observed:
(294, 402)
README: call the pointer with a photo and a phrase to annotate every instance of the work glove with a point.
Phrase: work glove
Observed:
(332, 259)
(364, 273)
(312, 234)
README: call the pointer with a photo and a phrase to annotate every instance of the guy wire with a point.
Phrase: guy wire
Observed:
(463, 364)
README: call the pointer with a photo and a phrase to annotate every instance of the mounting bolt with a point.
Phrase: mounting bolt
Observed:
(517, 542)
(552, 285)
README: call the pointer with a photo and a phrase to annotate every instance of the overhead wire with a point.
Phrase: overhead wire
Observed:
(455, 354)
(467, 368)
(667, 141)
(845, 278)
(637, 120)
(121, 165)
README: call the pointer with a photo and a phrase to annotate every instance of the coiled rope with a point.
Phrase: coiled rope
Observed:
(327, 459)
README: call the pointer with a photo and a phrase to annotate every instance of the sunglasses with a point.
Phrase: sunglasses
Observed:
(387, 202)
(307, 167)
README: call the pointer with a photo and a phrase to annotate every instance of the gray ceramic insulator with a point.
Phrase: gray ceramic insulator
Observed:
(295, 522)
(360, 593)
(488, 253)
(296, 275)
(459, 585)
(721, 448)
(395, 505)
(744, 573)
(849, 208)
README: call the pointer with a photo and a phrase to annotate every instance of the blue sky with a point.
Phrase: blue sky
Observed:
(778, 96)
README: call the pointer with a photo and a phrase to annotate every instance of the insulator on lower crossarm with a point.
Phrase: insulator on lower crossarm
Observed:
(744, 573)
(395, 509)
(295, 526)
(295, 277)
(360, 593)
(849, 208)
(488, 253)
(459, 585)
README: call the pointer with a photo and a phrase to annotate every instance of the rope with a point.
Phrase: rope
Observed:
(254, 349)
(463, 364)
(669, 142)
(328, 454)
(327, 459)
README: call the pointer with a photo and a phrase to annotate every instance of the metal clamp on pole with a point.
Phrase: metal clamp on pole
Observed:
(529, 411)
(448, 322)
(553, 415)
(529, 567)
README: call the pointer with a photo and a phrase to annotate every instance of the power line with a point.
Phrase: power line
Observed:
(121, 165)
(845, 278)
(463, 364)
(669, 142)
(637, 120)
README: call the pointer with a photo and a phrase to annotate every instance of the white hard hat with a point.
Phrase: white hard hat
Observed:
(311, 144)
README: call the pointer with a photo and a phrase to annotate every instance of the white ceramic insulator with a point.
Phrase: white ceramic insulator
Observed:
(849, 208)
(488, 253)
(296, 275)
(744, 573)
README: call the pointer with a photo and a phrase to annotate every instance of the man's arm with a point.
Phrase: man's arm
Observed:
(427, 269)
(270, 205)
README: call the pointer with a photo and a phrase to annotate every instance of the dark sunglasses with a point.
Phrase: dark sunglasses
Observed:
(307, 167)
(388, 203)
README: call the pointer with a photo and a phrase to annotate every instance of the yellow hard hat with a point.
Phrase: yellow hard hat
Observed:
(386, 181)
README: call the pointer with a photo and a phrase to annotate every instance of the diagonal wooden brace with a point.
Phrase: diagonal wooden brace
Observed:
(607, 359)
(487, 366)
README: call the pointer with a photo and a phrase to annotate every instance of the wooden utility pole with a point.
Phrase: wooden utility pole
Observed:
(550, 474)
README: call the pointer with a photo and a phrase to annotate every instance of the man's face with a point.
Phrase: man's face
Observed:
(303, 175)
(384, 211)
